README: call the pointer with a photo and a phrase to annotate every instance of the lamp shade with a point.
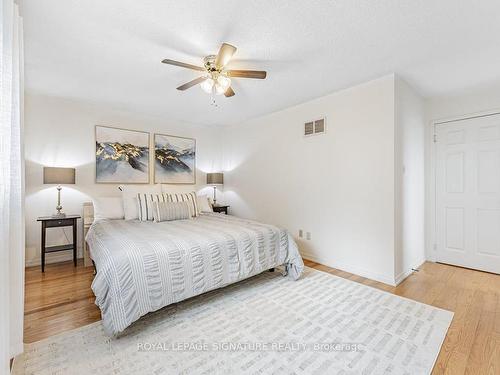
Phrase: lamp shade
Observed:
(215, 178)
(59, 176)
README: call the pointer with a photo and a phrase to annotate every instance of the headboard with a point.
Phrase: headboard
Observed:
(88, 213)
(87, 220)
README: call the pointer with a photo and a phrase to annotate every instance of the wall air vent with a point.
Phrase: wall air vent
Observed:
(319, 126)
(309, 128)
(314, 127)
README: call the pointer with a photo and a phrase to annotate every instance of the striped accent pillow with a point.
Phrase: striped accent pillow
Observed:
(190, 198)
(145, 202)
(168, 211)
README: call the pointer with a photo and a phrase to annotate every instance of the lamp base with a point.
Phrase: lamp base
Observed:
(59, 214)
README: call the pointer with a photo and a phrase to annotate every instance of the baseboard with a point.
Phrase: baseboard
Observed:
(54, 258)
(403, 275)
(351, 269)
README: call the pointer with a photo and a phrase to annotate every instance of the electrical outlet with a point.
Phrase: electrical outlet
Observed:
(308, 235)
(301, 233)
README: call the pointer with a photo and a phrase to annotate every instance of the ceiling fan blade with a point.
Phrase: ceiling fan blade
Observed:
(229, 92)
(226, 51)
(183, 65)
(258, 74)
(192, 83)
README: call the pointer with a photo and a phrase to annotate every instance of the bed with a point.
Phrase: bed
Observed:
(144, 266)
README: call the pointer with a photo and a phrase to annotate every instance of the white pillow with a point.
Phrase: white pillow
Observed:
(129, 195)
(204, 204)
(184, 197)
(169, 211)
(146, 205)
(108, 208)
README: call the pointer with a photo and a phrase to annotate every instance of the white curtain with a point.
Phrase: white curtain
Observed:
(11, 185)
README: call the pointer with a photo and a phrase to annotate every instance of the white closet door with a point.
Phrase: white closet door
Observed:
(468, 193)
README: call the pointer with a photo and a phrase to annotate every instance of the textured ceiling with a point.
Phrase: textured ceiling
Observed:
(110, 51)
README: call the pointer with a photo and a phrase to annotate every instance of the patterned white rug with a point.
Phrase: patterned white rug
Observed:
(320, 324)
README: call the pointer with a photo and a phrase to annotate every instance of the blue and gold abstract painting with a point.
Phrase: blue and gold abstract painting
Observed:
(121, 156)
(175, 160)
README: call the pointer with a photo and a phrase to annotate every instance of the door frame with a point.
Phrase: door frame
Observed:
(431, 186)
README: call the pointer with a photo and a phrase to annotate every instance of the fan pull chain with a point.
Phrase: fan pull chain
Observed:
(213, 102)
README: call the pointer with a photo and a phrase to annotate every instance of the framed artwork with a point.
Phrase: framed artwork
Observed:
(121, 156)
(175, 159)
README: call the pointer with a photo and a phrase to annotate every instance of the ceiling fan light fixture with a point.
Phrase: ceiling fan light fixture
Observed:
(224, 82)
(216, 78)
(207, 85)
(219, 90)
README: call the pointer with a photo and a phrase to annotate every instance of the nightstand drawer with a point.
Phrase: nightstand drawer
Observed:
(221, 209)
(59, 223)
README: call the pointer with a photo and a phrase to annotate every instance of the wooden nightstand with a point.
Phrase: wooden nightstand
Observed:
(53, 222)
(220, 208)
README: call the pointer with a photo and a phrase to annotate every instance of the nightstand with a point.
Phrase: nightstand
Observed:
(220, 208)
(53, 222)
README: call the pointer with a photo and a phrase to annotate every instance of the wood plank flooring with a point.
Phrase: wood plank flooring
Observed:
(61, 300)
(58, 300)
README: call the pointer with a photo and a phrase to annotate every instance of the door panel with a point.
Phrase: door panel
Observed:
(455, 172)
(488, 235)
(468, 193)
(455, 228)
(488, 161)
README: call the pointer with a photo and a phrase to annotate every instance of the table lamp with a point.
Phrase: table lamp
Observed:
(59, 176)
(215, 179)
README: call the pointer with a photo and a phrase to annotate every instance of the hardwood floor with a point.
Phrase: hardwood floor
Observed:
(58, 300)
(61, 299)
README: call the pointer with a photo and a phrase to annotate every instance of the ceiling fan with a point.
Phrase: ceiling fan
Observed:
(216, 79)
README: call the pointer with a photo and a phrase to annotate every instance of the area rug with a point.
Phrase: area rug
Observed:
(320, 324)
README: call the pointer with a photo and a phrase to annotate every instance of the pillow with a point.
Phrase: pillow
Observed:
(204, 204)
(190, 198)
(146, 205)
(129, 195)
(168, 211)
(108, 208)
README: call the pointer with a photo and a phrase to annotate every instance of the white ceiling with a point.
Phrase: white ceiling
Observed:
(110, 50)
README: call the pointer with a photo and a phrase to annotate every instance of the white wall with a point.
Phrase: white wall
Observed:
(473, 101)
(410, 179)
(338, 186)
(60, 132)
